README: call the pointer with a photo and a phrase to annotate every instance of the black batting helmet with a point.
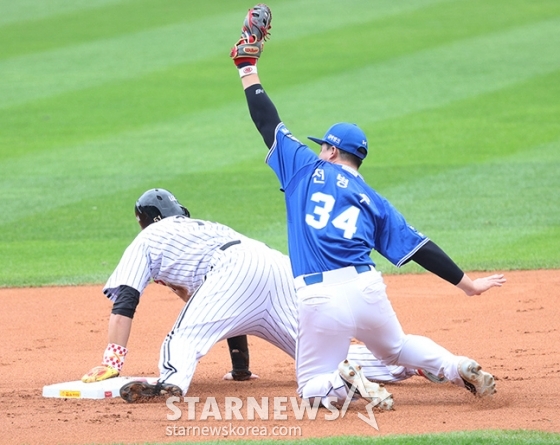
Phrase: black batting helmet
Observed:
(156, 204)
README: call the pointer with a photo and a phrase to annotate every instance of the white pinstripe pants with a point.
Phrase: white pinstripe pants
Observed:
(249, 290)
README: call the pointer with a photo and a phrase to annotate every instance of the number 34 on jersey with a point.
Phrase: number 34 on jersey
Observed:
(325, 210)
(346, 221)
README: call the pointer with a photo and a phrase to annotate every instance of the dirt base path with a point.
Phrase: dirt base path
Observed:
(52, 335)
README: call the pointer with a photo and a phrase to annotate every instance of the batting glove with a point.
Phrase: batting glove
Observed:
(111, 365)
(99, 373)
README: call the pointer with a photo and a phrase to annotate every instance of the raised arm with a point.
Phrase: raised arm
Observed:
(245, 55)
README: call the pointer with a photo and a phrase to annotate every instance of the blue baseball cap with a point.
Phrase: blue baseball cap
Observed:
(347, 137)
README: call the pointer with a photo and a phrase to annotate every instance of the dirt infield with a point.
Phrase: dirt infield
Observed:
(52, 335)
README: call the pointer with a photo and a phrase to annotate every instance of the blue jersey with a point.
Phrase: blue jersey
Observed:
(334, 218)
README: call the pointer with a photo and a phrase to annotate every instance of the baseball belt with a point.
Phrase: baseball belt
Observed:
(318, 277)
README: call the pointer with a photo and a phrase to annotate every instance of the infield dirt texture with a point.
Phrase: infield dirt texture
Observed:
(512, 331)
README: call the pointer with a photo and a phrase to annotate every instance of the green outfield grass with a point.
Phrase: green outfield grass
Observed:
(103, 99)
(457, 438)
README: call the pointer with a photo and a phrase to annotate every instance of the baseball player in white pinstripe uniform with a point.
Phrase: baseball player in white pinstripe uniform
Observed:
(232, 286)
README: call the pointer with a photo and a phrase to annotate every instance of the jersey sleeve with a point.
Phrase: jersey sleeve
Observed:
(288, 155)
(133, 270)
(396, 240)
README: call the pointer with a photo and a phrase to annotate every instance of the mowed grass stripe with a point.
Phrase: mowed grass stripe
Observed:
(500, 249)
(478, 175)
(480, 214)
(84, 25)
(89, 236)
(473, 130)
(45, 74)
(502, 193)
(81, 66)
(198, 142)
(483, 242)
(77, 25)
(52, 262)
(424, 76)
(426, 79)
(118, 105)
(26, 10)
(379, 40)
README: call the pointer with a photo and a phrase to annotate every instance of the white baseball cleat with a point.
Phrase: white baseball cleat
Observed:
(477, 381)
(372, 392)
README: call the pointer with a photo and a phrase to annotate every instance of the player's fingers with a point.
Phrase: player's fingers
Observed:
(497, 280)
(494, 280)
(99, 373)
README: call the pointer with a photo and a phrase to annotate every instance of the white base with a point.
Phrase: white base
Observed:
(97, 390)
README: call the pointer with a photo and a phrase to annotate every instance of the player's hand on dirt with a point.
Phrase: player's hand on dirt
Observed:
(99, 373)
(240, 376)
(480, 285)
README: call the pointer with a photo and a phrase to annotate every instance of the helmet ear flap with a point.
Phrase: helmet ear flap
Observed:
(157, 204)
(142, 218)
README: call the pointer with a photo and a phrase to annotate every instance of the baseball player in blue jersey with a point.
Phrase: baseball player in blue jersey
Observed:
(335, 219)
(232, 285)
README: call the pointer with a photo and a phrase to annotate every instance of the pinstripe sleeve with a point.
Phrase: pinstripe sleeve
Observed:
(133, 270)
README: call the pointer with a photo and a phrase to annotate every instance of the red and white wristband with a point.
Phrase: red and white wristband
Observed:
(114, 356)
(246, 70)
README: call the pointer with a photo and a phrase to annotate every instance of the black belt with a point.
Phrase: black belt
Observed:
(318, 277)
(231, 243)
